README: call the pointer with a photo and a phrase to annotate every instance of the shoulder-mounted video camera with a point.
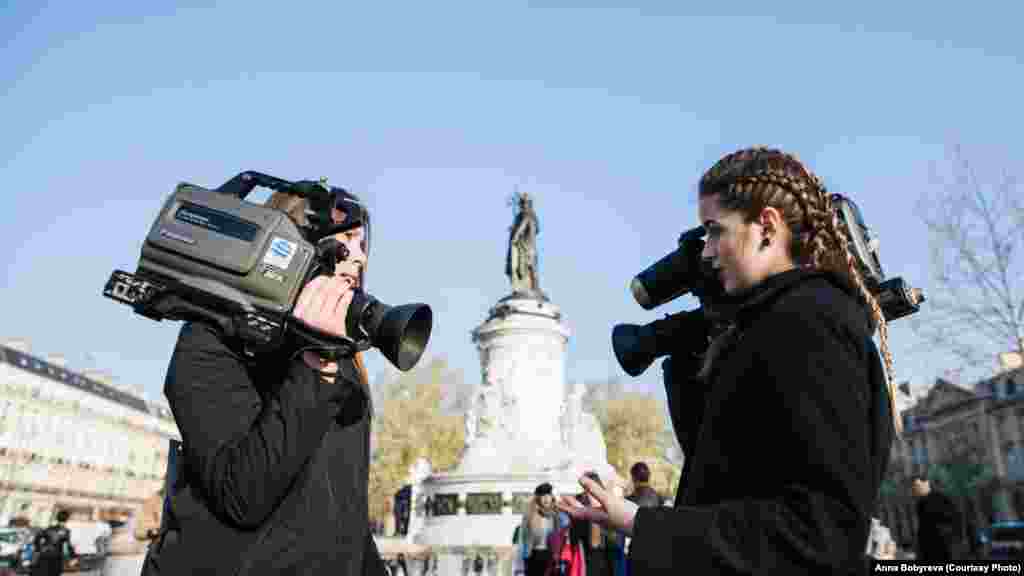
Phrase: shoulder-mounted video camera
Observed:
(684, 271)
(210, 255)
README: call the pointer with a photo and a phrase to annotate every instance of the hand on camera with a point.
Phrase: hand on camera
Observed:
(323, 305)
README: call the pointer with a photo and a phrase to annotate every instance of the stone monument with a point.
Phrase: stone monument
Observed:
(522, 428)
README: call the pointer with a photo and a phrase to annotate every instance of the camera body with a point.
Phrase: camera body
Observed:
(210, 255)
(684, 271)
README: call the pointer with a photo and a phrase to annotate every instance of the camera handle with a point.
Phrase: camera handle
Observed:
(330, 346)
(321, 196)
(241, 185)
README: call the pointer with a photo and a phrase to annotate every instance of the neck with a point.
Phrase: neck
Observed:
(780, 266)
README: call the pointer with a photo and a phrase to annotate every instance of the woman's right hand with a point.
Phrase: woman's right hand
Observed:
(323, 305)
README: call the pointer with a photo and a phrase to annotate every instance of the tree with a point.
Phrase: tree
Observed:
(633, 425)
(962, 479)
(598, 392)
(409, 425)
(976, 230)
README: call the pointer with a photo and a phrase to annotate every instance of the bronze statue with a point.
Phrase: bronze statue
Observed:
(521, 261)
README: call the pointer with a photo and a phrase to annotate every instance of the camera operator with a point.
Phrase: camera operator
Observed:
(276, 444)
(787, 420)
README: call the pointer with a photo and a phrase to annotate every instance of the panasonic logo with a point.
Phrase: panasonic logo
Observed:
(168, 234)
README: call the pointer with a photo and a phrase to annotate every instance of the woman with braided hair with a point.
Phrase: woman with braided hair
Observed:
(787, 418)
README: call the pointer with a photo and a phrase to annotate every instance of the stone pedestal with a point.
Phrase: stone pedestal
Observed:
(513, 426)
(521, 431)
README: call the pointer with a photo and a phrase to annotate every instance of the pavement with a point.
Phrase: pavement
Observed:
(111, 566)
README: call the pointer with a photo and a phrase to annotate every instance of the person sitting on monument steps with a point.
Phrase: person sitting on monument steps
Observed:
(538, 523)
(275, 459)
(787, 420)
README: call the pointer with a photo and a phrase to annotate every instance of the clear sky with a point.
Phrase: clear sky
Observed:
(435, 112)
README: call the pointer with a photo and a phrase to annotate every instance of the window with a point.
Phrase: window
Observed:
(920, 454)
(1014, 460)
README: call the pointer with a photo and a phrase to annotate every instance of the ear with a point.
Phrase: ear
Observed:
(771, 221)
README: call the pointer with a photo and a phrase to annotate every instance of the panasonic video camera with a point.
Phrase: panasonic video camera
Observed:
(210, 255)
(684, 271)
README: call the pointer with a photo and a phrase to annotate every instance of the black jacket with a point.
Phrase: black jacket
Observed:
(275, 466)
(645, 496)
(939, 528)
(785, 448)
(50, 546)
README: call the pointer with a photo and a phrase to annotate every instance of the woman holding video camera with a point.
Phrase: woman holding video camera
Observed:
(276, 444)
(787, 418)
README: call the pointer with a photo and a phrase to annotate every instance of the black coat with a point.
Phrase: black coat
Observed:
(939, 528)
(645, 496)
(785, 449)
(275, 466)
(49, 547)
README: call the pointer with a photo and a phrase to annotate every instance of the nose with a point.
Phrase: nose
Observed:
(356, 253)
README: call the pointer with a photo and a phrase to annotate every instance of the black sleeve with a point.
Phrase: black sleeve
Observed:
(685, 394)
(948, 522)
(373, 564)
(243, 452)
(817, 519)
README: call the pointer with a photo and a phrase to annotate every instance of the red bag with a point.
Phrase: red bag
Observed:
(566, 558)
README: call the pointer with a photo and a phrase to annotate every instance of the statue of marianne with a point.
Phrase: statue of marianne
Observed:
(521, 261)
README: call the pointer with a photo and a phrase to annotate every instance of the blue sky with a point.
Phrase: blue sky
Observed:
(436, 112)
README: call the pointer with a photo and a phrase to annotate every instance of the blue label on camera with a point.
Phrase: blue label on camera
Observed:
(280, 253)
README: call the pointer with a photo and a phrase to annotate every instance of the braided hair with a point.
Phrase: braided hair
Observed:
(752, 179)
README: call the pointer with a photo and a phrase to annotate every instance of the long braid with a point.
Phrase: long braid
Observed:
(750, 180)
(830, 250)
(853, 269)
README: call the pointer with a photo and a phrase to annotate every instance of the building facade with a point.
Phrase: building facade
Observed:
(971, 439)
(75, 441)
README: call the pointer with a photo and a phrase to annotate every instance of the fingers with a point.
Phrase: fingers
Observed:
(571, 506)
(568, 501)
(595, 490)
(344, 297)
(302, 306)
(323, 303)
(330, 294)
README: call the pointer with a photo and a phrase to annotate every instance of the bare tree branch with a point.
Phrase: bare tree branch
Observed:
(976, 234)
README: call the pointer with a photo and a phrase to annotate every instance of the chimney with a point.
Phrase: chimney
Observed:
(1010, 361)
(57, 360)
(19, 344)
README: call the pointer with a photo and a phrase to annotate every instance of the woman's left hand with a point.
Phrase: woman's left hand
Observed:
(610, 511)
